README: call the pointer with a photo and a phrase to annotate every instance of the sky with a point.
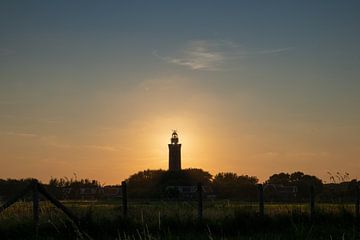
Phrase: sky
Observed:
(93, 89)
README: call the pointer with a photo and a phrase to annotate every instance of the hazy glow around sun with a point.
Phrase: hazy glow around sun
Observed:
(98, 92)
(158, 137)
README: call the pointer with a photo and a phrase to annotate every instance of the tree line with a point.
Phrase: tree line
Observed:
(229, 185)
(154, 184)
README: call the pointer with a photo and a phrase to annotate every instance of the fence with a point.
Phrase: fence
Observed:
(36, 189)
(261, 201)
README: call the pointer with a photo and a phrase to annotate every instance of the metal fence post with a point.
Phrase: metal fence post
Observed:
(36, 200)
(357, 202)
(200, 200)
(261, 199)
(312, 202)
(124, 198)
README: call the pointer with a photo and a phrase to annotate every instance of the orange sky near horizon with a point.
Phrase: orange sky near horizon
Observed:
(111, 153)
(95, 88)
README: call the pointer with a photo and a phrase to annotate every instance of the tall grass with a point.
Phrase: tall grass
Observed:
(178, 220)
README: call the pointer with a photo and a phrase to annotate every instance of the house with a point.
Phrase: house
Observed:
(280, 191)
(112, 192)
(186, 192)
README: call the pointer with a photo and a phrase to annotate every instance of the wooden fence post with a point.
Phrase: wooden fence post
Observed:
(312, 202)
(36, 200)
(36, 189)
(200, 201)
(357, 202)
(261, 199)
(124, 198)
(65, 210)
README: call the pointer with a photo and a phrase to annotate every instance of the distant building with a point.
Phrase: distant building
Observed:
(174, 153)
(91, 193)
(112, 191)
(187, 192)
(279, 191)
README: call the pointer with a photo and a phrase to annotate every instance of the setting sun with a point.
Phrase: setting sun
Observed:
(102, 102)
(179, 120)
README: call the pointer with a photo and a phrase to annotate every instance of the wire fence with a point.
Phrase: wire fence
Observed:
(45, 209)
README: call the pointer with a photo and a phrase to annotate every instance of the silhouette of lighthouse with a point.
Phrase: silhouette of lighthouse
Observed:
(174, 153)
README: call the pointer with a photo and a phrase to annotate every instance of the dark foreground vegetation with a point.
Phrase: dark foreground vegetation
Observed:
(159, 184)
(160, 208)
(178, 220)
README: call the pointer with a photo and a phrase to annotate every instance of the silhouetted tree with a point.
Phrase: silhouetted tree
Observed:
(298, 179)
(64, 188)
(339, 192)
(145, 184)
(230, 185)
(152, 183)
(279, 178)
(11, 187)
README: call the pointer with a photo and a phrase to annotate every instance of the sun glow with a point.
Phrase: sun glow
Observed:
(159, 136)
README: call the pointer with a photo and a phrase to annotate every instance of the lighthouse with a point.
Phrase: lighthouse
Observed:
(174, 153)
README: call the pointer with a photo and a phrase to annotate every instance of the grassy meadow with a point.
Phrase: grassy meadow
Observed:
(178, 220)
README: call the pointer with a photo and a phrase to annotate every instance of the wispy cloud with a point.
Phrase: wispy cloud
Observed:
(51, 121)
(105, 148)
(213, 55)
(6, 52)
(201, 55)
(7, 115)
(102, 148)
(275, 51)
(7, 102)
(54, 142)
(21, 134)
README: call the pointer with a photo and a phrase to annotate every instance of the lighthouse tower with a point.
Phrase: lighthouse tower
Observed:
(174, 153)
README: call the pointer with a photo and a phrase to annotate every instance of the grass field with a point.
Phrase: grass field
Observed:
(178, 220)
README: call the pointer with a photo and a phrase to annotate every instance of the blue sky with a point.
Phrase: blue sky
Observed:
(248, 84)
